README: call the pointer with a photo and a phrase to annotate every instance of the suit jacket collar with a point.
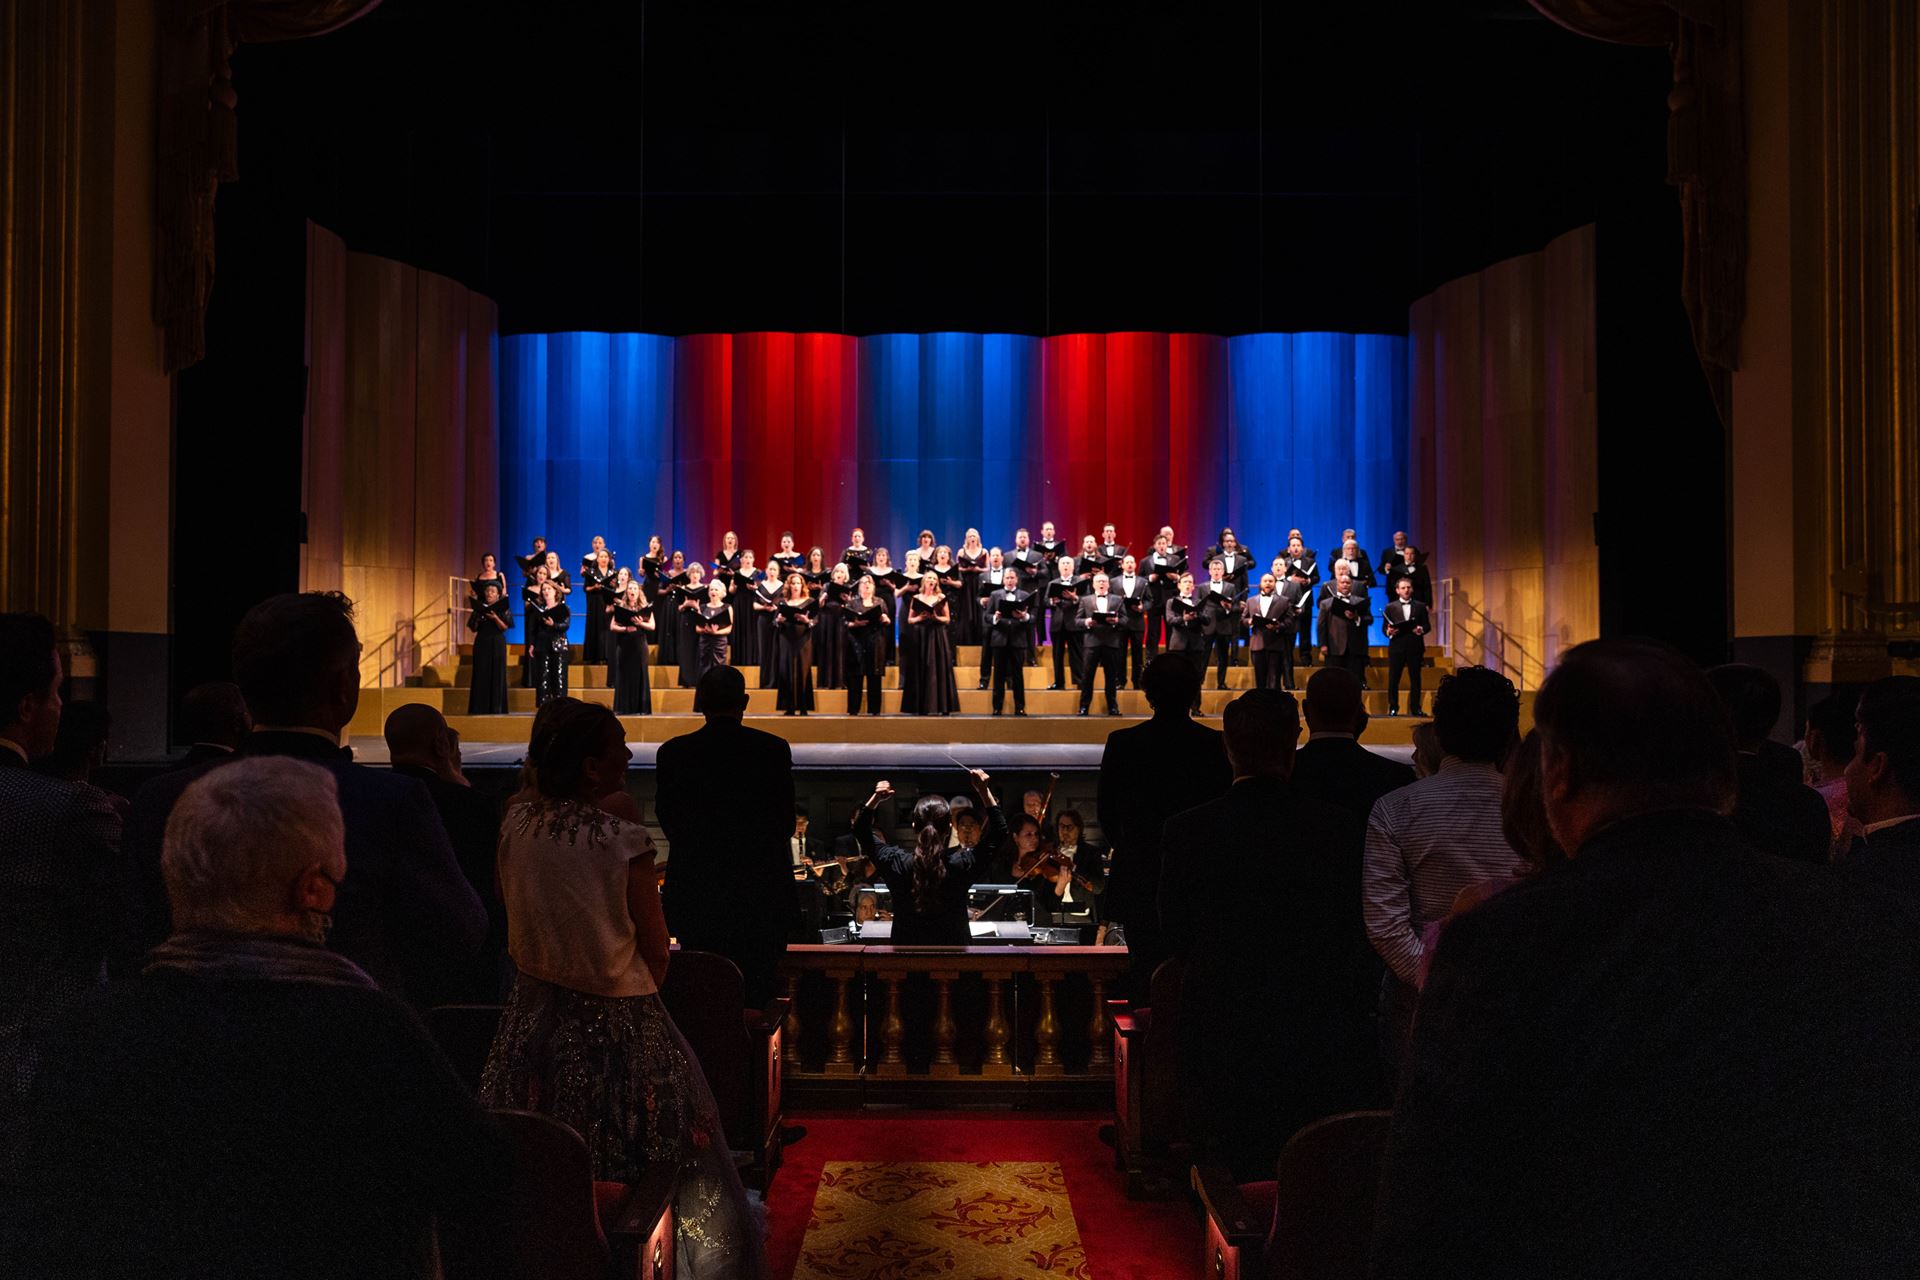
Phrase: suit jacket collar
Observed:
(12, 754)
(298, 745)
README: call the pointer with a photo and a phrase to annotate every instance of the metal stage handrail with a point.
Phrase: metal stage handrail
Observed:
(395, 655)
(1492, 638)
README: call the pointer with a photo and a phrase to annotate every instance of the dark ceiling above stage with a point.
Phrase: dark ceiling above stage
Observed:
(1031, 167)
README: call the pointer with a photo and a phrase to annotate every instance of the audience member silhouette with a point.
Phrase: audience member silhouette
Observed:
(725, 802)
(213, 722)
(1775, 809)
(252, 1104)
(1883, 787)
(1331, 764)
(58, 874)
(406, 913)
(1148, 773)
(1830, 740)
(421, 745)
(1672, 1055)
(1275, 1026)
(1429, 840)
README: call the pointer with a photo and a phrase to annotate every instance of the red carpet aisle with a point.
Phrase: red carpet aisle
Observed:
(1004, 1218)
(1122, 1239)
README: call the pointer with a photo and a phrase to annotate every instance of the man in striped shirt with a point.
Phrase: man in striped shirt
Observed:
(1428, 841)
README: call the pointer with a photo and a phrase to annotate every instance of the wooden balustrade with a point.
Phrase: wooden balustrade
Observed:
(936, 1013)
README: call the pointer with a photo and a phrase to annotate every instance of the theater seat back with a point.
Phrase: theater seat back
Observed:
(1325, 1186)
(1160, 1101)
(552, 1228)
(706, 997)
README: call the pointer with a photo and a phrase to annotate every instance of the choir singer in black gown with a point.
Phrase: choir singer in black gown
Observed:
(936, 693)
(930, 881)
(827, 653)
(714, 626)
(627, 629)
(793, 647)
(867, 623)
(548, 624)
(489, 623)
(687, 602)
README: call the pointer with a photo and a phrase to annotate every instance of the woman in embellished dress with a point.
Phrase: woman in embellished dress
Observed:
(585, 1038)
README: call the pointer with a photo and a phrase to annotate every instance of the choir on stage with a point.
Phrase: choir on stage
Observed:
(807, 623)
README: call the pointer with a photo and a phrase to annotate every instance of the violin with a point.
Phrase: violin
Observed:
(1046, 858)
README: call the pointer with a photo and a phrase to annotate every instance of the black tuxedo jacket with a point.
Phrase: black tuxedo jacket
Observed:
(1109, 634)
(472, 820)
(1149, 772)
(1010, 635)
(405, 913)
(1260, 893)
(1407, 616)
(1222, 618)
(1647, 1033)
(1139, 600)
(1029, 569)
(1344, 773)
(1888, 861)
(1340, 636)
(1236, 572)
(728, 866)
(1281, 610)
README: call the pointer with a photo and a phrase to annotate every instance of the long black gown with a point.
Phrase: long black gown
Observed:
(909, 654)
(768, 592)
(550, 651)
(745, 650)
(488, 696)
(632, 694)
(936, 693)
(966, 611)
(594, 599)
(830, 650)
(665, 637)
(529, 669)
(793, 654)
(686, 640)
(713, 648)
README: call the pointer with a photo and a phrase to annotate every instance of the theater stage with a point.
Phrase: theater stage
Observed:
(1051, 735)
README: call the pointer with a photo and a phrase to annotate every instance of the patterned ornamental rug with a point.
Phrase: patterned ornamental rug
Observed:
(1004, 1220)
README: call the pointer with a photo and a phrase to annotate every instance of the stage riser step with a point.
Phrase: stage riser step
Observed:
(594, 676)
(764, 702)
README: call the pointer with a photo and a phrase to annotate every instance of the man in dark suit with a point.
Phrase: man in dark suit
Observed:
(59, 894)
(1304, 561)
(1671, 1055)
(1033, 569)
(1136, 591)
(1148, 773)
(1103, 620)
(1260, 897)
(1883, 787)
(726, 805)
(1163, 567)
(1010, 613)
(421, 745)
(1408, 623)
(213, 722)
(1345, 613)
(1270, 618)
(1775, 809)
(405, 912)
(1332, 764)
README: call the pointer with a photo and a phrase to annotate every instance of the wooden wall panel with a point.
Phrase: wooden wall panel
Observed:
(402, 461)
(1501, 454)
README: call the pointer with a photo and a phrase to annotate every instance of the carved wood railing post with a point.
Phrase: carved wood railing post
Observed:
(840, 1061)
(892, 1029)
(1099, 1030)
(1046, 1032)
(998, 1030)
(944, 1031)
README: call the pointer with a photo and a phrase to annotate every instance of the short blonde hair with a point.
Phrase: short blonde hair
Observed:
(239, 836)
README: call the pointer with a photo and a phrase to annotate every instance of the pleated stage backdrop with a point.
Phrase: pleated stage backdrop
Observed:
(630, 434)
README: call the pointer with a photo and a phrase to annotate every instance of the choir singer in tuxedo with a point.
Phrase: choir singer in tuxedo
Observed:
(1103, 617)
(1407, 622)
(1009, 611)
(1345, 613)
(1137, 592)
(1270, 621)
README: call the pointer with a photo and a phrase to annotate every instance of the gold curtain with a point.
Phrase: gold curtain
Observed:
(56, 207)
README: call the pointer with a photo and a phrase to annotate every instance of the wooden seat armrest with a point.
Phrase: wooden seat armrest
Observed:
(1227, 1209)
(1124, 1024)
(765, 1022)
(628, 1231)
